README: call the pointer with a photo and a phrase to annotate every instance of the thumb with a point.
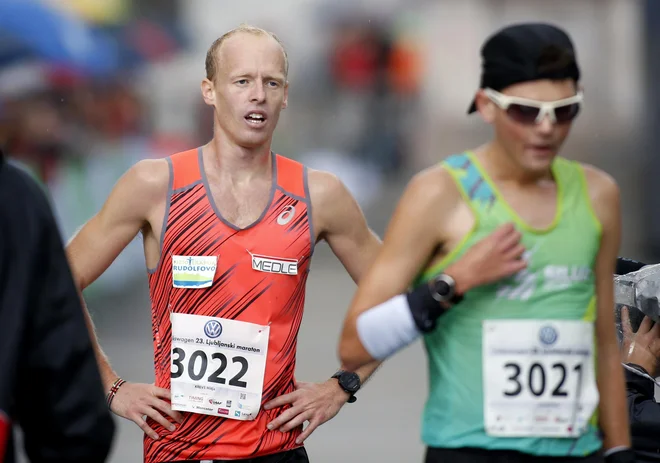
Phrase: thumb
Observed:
(625, 322)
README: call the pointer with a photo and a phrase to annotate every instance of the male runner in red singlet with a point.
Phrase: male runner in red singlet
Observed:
(229, 230)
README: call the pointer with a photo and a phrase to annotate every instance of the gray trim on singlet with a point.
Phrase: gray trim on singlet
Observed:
(308, 201)
(209, 195)
(187, 187)
(291, 195)
(170, 192)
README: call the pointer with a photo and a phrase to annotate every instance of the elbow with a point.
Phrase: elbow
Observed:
(345, 357)
(352, 353)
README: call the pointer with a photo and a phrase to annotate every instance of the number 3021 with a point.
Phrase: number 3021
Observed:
(197, 374)
(536, 379)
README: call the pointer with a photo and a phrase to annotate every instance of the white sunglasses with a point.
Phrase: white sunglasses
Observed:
(528, 111)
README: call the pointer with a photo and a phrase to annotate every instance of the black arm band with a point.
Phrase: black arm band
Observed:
(424, 309)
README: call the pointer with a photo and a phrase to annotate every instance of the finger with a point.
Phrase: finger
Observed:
(285, 399)
(625, 322)
(157, 417)
(162, 393)
(655, 331)
(283, 418)
(514, 253)
(307, 432)
(502, 231)
(137, 419)
(513, 267)
(654, 348)
(508, 240)
(297, 421)
(166, 408)
(645, 326)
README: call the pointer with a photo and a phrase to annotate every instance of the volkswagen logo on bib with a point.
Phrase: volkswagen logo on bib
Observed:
(212, 328)
(548, 335)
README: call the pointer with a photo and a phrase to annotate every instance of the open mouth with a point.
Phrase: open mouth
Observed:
(541, 148)
(256, 119)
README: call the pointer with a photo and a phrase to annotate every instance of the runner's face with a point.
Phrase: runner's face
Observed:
(534, 146)
(250, 88)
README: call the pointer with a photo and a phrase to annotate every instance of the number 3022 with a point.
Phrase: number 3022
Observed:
(196, 374)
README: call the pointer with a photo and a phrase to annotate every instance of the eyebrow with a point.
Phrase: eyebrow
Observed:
(241, 75)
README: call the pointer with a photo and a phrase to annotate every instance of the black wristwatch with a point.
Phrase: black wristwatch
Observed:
(443, 289)
(349, 382)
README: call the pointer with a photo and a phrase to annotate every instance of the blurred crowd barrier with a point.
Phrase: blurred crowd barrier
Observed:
(379, 89)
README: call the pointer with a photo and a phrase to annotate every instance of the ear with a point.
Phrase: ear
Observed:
(208, 92)
(285, 101)
(485, 106)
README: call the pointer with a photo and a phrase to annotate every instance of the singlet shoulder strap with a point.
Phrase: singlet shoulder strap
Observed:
(291, 176)
(469, 178)
(185, 168)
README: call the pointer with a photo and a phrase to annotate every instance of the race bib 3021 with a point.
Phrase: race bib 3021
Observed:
(538, 377)
(217, 366)
(193, 271)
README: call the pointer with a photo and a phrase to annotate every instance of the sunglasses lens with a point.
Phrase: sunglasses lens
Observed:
(567, 112)
(523, 113)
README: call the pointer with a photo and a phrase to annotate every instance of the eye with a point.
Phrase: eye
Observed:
(274, 84)
(241, 81)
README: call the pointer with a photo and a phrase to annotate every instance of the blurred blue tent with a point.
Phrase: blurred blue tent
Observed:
(32, 30)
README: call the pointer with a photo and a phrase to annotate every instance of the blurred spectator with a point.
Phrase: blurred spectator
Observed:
(50, 384)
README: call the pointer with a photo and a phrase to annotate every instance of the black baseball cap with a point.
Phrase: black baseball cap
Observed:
(516, 54)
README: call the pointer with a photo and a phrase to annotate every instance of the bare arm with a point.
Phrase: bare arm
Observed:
(341, 223)
(417, 229)
(98, 243)
(610, 378)
(412, 236)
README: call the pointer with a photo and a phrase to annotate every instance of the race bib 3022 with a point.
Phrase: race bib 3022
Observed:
(218, 366)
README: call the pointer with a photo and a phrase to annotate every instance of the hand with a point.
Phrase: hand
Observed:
(496, 256)
(641, 348)
(313, 402)
(134, 401)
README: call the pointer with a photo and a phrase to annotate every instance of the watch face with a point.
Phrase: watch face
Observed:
(442, 287)
(350, 381)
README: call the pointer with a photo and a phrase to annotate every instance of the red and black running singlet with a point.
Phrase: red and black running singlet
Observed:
(193, 226)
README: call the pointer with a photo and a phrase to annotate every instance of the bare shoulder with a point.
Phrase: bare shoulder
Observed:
(604, 195)
(139, 192)
(149, 176)
(325, 187)
(434, 185)
(331, 200)
(601, 185)
(143, 186)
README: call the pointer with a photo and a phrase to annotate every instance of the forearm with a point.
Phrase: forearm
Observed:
(387, 328)
(108, 375)
(365, 371)
(613, 406)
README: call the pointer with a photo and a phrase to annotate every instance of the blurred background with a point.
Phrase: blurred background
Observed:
(379, 90)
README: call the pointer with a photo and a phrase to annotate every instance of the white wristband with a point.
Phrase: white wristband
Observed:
(387, 328)
(614, 450)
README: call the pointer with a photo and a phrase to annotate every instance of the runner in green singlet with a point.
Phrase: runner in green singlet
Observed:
(527, 369)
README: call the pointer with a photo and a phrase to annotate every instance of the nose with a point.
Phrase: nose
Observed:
(546, 126)
(258, 94)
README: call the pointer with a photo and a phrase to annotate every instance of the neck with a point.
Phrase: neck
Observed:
(501, 166)
(236, 163)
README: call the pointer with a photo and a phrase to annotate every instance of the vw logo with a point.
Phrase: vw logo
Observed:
(213, 329)
(548, 335)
